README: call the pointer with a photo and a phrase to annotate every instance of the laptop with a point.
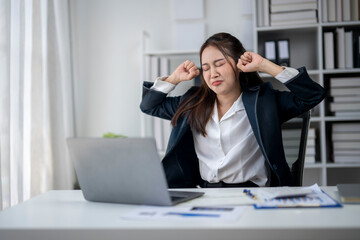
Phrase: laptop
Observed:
(123, 170)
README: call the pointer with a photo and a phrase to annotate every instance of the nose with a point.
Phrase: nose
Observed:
(213, 73)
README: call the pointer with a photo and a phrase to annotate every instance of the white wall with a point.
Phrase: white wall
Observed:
(106, 38)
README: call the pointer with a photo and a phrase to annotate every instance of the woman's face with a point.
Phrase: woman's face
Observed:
(218, 73)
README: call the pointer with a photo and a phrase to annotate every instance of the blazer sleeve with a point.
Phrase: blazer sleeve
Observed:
(158, 104)
(304, 95)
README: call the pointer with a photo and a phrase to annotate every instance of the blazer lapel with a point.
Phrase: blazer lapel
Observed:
(250, 98)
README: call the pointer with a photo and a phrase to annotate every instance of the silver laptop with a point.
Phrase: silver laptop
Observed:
(123, 170)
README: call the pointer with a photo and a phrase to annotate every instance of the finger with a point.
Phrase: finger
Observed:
(190, 65)
(244, 59)
(241, 65)
(186, 64)
(193, 72)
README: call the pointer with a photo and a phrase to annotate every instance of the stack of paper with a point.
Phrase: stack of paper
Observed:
(345, 92)
(291, 141)
(311, 196)
(346, 142)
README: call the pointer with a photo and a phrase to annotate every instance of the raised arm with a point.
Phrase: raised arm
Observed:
(184, 72)
(252, 62)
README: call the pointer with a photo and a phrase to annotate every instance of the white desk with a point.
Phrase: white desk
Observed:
(66, 215)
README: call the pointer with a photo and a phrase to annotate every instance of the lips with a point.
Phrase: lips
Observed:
(216, 83)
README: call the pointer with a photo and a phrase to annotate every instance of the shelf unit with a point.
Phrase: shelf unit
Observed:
(175, 57)
(306, 49)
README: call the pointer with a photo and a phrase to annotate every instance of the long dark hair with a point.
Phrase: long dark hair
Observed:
(199, 106)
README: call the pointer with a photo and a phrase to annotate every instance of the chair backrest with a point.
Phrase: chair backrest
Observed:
(297, 166)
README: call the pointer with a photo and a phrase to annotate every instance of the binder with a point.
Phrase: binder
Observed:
(329, 50)
(349, 60)
(349, 193)
(356, 49)
(270, 51)
(283, 53)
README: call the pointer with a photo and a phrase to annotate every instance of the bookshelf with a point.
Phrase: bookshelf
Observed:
(157, 63)
(306, 41)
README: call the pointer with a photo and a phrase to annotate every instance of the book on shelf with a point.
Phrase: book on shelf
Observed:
(355, 9)
(278, 51)
(356, 49)
(349, 60)
(346, 159)
(324, 10)
(296, 142)
(348, 113)
(346, 145)
(347, 152)
(291, 142)
(296, 17)
(293, 6)
(289, 151)
(346, 142)
(283, 53)
(346, 10)
(334, 106)
(331, 8)
(263, 14)
(270, 50)
(345, 98)
(340, 47)
(340, 10)
(355, 91)
(296, 133)
(290, 1)
(339, 16)
(346, 136)
(329, 50)
(260, 13)
(342, 82)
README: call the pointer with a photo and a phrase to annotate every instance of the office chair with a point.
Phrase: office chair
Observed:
(297, 167)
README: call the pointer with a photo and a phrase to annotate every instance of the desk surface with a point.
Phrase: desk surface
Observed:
(67, 215)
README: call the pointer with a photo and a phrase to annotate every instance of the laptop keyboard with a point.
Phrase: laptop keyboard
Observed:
(175, 198)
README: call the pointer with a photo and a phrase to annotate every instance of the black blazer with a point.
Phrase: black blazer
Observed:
(266, 109)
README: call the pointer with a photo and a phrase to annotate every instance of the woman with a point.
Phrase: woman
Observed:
(227, 132)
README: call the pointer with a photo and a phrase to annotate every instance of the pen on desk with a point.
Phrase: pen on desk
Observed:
(248, 192)
(192, 214)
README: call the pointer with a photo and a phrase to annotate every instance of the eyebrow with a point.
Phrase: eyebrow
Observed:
(217, 60)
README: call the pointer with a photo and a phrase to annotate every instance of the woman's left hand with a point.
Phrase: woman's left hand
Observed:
(250, 62)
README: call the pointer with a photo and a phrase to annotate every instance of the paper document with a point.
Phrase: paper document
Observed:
(222, 197)
(197, 214)
(311, 196)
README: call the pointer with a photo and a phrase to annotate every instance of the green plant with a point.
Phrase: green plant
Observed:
(113, 135)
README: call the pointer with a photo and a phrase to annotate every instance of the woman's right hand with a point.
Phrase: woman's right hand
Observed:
(184, 72)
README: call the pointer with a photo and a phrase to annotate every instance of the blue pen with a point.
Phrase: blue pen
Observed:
(192, 214)
(248, 192)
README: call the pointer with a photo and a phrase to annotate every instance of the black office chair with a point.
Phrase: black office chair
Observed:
(297, 166)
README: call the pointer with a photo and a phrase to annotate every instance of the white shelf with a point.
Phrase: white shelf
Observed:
(339, 24)
(340, 71)
(314, 165)
(290, 27)
(311, 35)
(171, 53)
(343, 165)
(339, 119)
